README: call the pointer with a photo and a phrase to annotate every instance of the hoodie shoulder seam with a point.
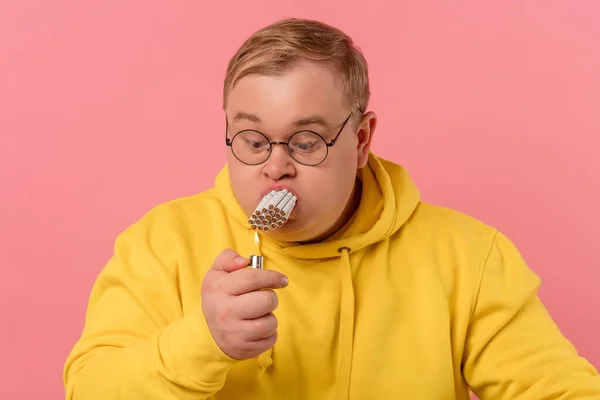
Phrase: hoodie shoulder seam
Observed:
(482, 269)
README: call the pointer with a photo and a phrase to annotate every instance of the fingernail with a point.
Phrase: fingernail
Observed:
(284, 281)
(239, 260)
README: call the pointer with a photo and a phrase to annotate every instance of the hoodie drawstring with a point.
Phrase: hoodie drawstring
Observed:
(265, 360)
(346, 332)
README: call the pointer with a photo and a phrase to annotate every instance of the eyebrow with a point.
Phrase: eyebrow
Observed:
(310, 120)
(241, 115)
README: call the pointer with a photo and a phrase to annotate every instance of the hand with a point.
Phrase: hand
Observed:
(238, 305)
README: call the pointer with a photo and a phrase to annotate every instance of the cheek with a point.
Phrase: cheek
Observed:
(344, 165)
(330, 190)
(345, 175)
(242, 179)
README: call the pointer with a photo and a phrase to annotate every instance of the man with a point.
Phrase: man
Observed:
(366, 292)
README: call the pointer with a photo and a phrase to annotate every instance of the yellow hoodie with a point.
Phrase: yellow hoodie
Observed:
(407, 301)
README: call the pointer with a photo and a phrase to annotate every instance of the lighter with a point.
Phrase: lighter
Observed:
(256, 261)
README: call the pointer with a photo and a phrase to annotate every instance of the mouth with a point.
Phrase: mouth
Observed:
(274, 210)
(277, 188)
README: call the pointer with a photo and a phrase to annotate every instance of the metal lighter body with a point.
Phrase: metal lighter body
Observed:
(256, 261)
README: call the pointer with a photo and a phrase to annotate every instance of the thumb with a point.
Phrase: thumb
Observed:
(228, 261)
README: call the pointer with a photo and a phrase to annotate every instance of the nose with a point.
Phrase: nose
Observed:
(280, 164)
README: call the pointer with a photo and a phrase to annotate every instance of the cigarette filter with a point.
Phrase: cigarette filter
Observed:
(273, 210)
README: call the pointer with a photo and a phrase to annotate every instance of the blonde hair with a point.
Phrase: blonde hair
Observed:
(277, 48)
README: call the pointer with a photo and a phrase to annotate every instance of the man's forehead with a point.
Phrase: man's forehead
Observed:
(298, 121)
(305, 95)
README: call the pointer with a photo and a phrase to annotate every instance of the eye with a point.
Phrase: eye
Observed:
(255, 144)
(306, 142)
(254, 141)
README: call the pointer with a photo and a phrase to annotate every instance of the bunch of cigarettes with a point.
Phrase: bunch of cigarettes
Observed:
(273, 210)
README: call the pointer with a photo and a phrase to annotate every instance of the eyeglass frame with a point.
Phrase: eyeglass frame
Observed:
(228, 142)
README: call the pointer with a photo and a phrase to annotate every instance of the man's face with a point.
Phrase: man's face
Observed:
(307, 98)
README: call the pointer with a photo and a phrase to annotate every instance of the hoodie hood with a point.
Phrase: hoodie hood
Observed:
(389, 197)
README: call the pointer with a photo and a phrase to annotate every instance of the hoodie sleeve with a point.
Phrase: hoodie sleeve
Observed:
(514, 350)
(136, 343)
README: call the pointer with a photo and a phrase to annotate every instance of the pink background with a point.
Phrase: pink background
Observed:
(109, 108)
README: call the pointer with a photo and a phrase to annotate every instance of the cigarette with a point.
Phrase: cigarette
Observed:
(272, 211)
(277, 198)
(264, 201)
(284, 201)
(289, 207)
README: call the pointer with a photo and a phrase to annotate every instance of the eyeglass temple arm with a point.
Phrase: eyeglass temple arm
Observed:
(227, 140)
(332, 142)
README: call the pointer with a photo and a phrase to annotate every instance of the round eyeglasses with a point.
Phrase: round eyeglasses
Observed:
(306, 147)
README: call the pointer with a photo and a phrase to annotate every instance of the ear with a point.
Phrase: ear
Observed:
(366, 130)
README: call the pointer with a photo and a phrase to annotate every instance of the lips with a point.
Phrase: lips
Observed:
(277, 188)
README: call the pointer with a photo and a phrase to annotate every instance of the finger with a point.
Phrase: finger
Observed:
(254, 304)
(260, 328)
(256, 347)
(249, 279)
(264, 343)
(228, 260)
